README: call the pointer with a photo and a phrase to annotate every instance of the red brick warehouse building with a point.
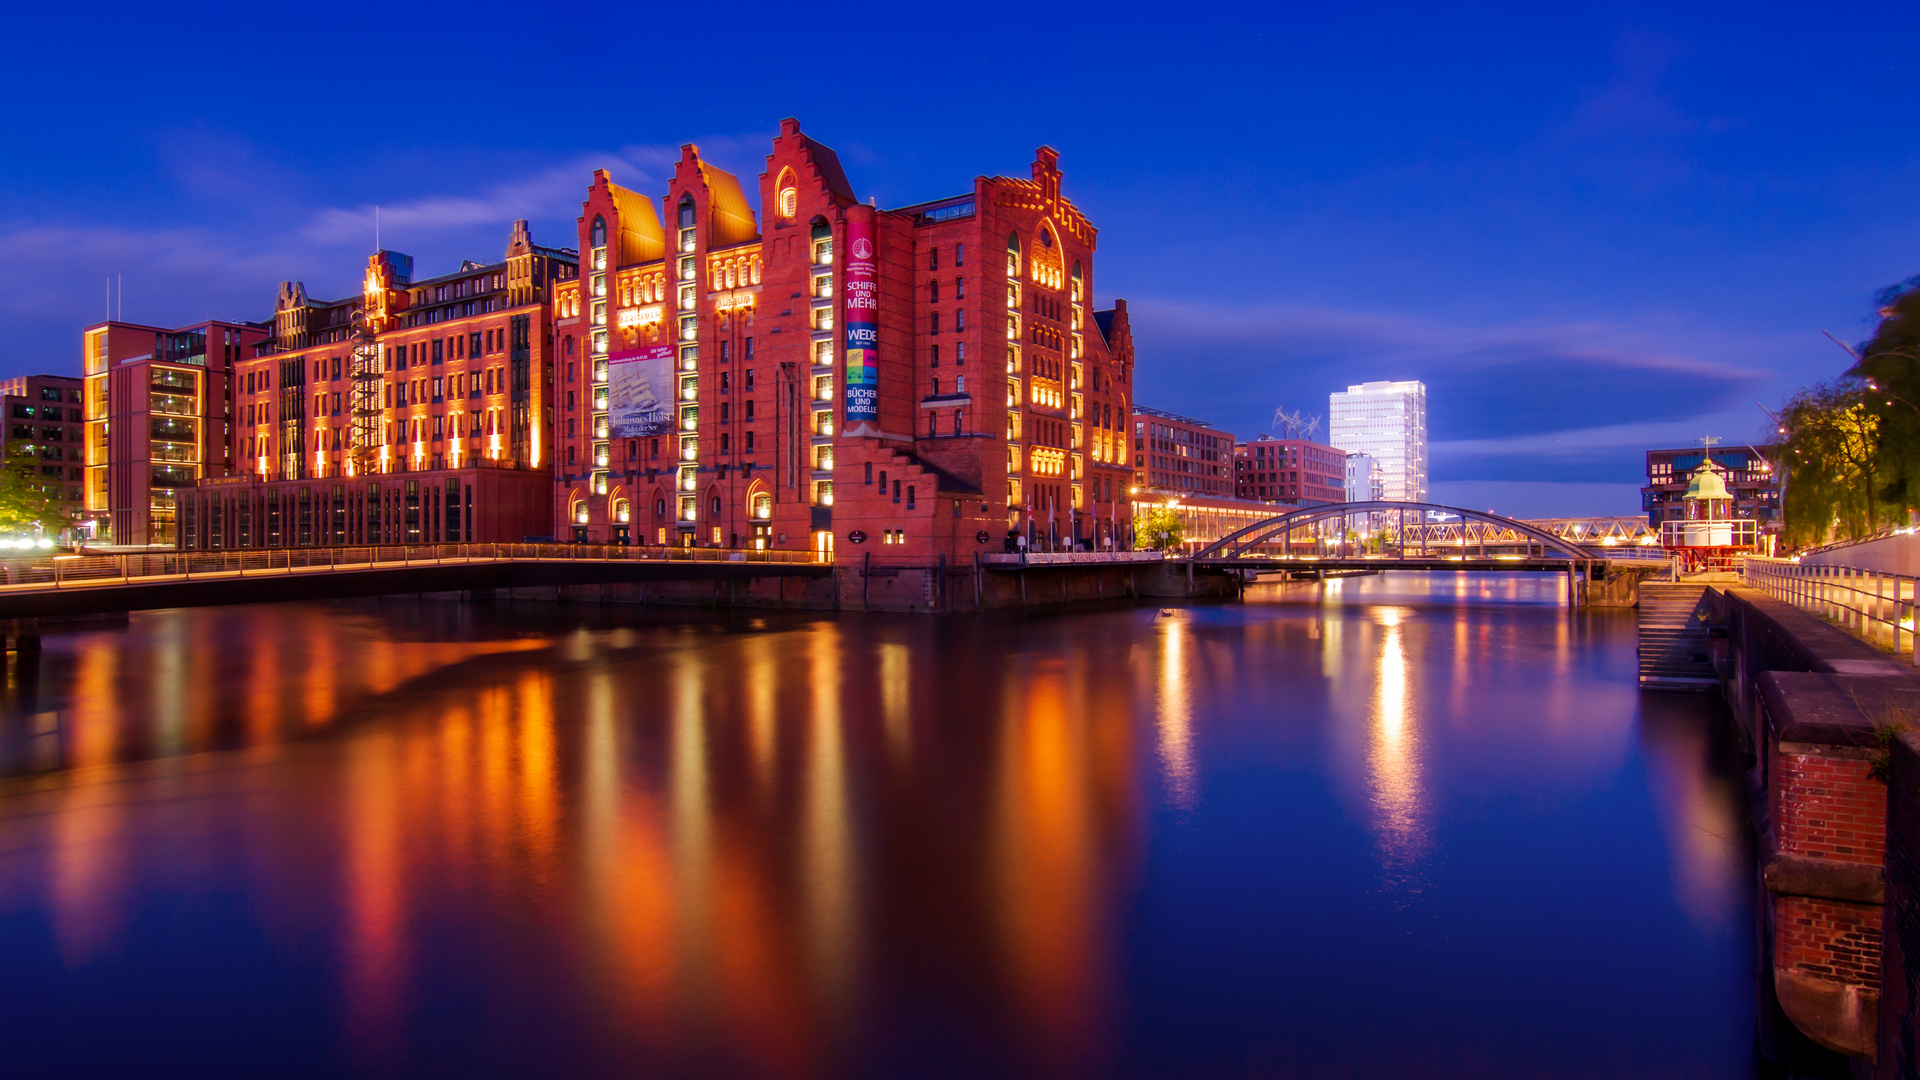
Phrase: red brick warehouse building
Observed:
(681, 378)
(925, 379)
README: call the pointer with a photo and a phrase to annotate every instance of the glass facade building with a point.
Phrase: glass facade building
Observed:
(1387, 421)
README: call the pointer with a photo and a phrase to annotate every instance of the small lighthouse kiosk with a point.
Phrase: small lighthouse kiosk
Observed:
(1709, 536)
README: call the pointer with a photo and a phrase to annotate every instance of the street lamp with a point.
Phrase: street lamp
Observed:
(1875, 387)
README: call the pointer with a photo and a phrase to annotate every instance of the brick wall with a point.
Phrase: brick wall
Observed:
(1827, 807)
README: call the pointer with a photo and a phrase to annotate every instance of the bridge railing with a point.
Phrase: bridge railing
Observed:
(1072, 558)
(66, 571)
(1876, 606)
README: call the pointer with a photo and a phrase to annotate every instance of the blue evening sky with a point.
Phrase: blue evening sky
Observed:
(1589, 229)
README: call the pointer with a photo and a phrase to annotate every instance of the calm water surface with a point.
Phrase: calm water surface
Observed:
(1385, 827)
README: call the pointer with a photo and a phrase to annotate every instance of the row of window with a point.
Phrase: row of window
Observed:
(45, 412)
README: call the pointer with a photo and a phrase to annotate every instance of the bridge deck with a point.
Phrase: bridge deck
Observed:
(1427, 564)
(92, 584)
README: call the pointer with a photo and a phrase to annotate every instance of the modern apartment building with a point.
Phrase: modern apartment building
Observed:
(157, 408)
(1179, 455)
(1387, 421)
(43, 414)
(1366, 482)
(1747, 472)
(1296, 471)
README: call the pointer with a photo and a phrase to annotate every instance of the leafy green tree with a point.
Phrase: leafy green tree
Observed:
(1159, 528)
(1835, 468)
(1887, 369)
(27, 498)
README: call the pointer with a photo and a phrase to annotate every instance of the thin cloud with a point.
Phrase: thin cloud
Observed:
(548, 193)
(1392, 338)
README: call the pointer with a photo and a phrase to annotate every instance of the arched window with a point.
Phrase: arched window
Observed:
(1079, 281)
(659, 508)
(786, 200)
(716, 506)
(1013, 254)
(762, 506)
(686, 237)
(599, 231)
(822, 236)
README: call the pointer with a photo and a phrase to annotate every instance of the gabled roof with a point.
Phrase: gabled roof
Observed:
(828, 162)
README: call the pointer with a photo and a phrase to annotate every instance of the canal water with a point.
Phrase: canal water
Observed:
(1398, 826)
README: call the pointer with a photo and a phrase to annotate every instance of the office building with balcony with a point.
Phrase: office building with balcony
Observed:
(1387, 421)
(156, 411)
(1366, 481)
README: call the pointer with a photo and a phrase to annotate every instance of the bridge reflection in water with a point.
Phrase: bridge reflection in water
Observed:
(1329, 830)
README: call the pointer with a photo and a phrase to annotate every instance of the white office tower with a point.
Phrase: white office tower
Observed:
(1365, 480)
(1387, 421)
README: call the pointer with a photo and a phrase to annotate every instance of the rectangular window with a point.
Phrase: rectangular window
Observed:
(438, 350)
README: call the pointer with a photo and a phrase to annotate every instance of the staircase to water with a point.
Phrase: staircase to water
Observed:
(1673, 637)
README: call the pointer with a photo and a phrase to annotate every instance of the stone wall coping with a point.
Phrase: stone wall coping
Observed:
(1836, 709)
(1820, 644)
(1824, 879)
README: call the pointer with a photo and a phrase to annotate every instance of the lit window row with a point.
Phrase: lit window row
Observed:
(734, 272)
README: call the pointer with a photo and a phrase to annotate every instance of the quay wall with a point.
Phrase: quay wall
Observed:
(916, 588)
(1822, 714)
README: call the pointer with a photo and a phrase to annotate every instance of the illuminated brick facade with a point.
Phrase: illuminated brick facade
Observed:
(416, 412)
(1001, 394)
(680, 379)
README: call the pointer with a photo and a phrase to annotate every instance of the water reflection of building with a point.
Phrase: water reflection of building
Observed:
(1393, 750)
(707, 828)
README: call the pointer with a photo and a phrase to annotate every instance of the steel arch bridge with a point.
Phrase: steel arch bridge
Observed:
(1422, 532)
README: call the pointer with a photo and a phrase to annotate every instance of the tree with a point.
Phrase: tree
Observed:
(28, 499)
(1159, 528)
(1887, 370)
(1835, 466)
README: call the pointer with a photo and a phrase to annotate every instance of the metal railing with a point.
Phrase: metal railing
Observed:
(82, 571)
(1071, 558)
(1875, 606)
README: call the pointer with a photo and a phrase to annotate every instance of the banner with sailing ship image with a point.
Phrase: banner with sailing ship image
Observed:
(640, 392)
